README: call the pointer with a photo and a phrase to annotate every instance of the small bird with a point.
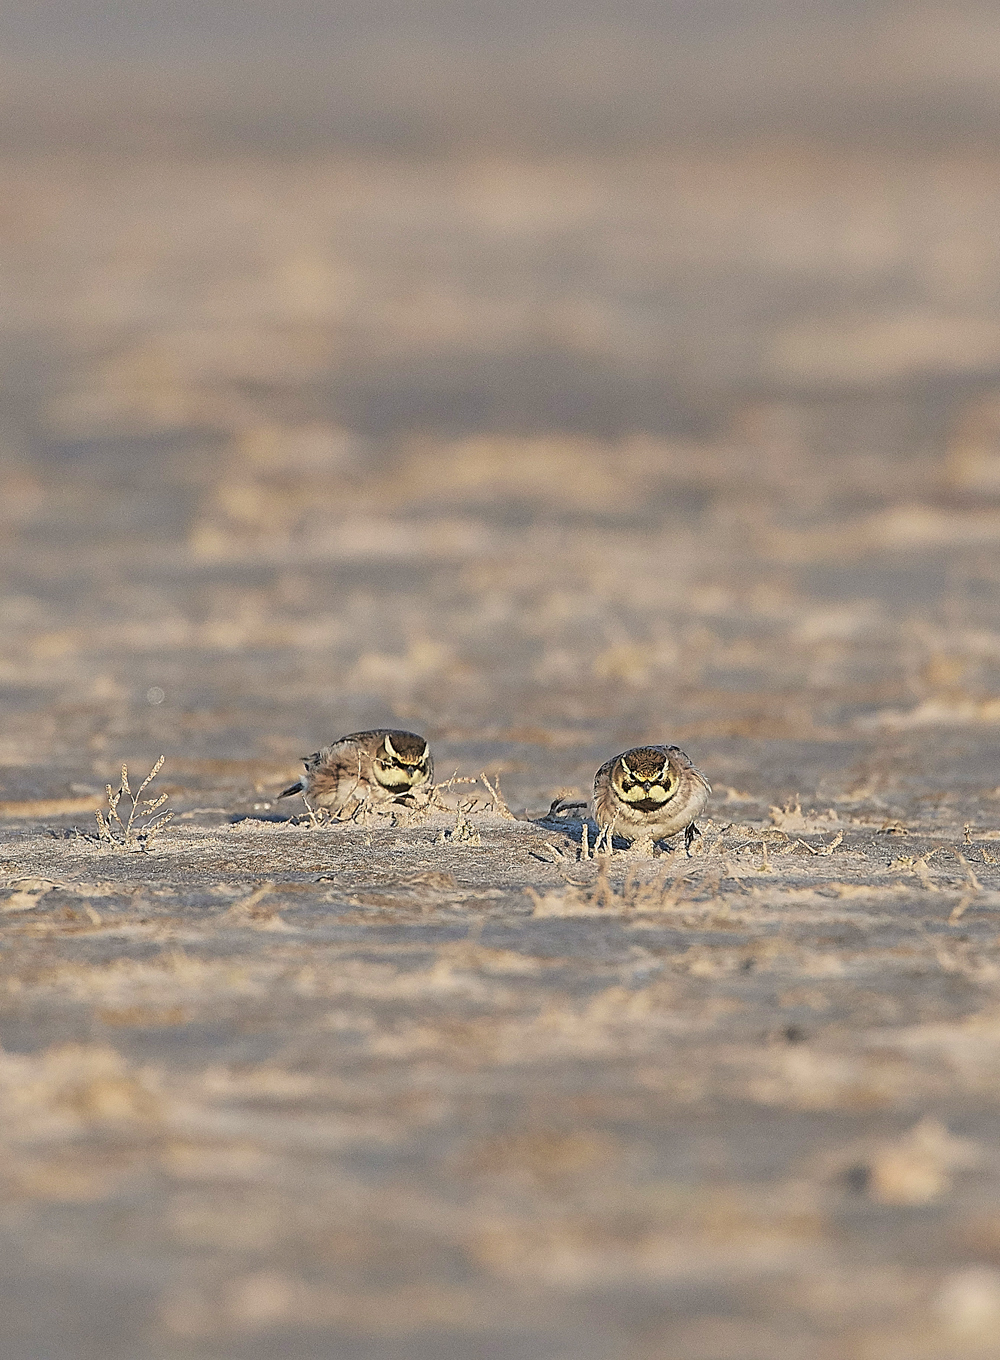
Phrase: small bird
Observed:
(648, 793)
(365, 769)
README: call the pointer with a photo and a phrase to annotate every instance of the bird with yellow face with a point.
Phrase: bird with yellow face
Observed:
(365, 769)
(648, 793)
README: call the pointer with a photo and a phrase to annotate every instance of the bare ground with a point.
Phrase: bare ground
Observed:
(543, 458)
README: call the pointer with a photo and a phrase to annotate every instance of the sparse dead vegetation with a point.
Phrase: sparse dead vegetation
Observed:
(639, 891)
(144, 821)
(418, 807)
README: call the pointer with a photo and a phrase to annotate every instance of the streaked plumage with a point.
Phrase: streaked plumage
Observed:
(648, 793)
(373, 769)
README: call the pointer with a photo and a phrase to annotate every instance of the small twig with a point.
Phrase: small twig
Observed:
(434, 797)
(499, 802)
(974, 888)
(604, 845)
(826, 849)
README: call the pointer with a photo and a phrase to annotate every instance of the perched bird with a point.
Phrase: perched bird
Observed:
(647, 793)
(365, 769)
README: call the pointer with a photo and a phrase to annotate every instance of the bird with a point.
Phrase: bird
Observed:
(648, 793)
(365, 769)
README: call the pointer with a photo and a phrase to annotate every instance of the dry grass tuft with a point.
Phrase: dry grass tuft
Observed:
(145, 821)
(463, 830)
(662, 892)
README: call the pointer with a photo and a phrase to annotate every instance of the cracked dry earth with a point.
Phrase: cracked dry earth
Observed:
(449, 1088)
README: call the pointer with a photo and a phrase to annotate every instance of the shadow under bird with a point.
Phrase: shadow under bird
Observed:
(648, 793)
(365, 769)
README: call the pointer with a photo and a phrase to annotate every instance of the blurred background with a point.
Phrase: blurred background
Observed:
(525, 374)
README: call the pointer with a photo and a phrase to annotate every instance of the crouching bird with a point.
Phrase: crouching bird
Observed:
(370, 769)
(648, 793)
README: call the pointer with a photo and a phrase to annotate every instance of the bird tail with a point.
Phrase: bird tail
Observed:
(293, 788)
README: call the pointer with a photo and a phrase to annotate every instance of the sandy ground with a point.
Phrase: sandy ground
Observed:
(543, 458)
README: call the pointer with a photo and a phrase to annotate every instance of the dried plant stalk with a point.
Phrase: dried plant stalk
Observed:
(499, 803)
(144, 821)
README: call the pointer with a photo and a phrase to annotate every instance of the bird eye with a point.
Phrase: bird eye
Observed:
(628, 785)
